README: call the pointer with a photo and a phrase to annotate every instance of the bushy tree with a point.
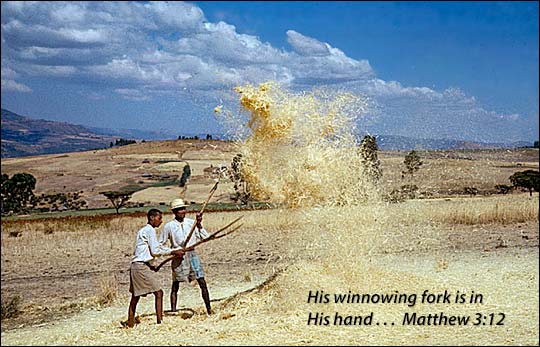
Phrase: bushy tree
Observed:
(241, 187)
(369, 158)
(412, 163)
(528, 179)
(185, 175)
(17, 192)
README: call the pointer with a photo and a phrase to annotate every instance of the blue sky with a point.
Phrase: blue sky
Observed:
(462, 70)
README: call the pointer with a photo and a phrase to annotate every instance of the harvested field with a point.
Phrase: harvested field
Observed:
(400, 253)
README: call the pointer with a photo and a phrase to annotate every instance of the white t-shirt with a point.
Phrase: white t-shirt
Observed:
(177, 232)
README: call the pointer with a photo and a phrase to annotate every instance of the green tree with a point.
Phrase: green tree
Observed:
(412, 163)
(17, 192)
(369, 158)
(185, 175)
(117, 198)
(528, 179)
(241, 187)
(535, 145)
(5, 194)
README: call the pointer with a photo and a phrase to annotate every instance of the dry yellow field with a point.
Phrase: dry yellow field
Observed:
(445, 173)
(463, 245)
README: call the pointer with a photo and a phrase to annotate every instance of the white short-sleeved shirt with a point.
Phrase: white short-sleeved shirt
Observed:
(177, 232)
(147, 246)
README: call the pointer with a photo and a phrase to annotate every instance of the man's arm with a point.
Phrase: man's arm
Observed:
(201, 232)
(164, 236)
(156, 248)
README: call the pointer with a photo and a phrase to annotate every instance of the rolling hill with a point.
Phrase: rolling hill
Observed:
(24, 136)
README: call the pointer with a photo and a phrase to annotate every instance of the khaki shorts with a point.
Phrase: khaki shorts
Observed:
(142, 280)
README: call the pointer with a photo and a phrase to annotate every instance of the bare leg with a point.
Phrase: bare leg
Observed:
(205, 295)
(131, 311)
(174, 292)
(159, 305)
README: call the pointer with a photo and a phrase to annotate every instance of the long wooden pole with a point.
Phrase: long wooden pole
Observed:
(212, 191)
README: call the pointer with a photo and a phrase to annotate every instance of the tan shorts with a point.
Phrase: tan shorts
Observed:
(142, 280)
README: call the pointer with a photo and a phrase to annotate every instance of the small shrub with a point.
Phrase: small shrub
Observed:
(108, 290)
(503, 188)
(470, 190)
(425, 195)
(407, 191)
(11, 307)
(394, 197)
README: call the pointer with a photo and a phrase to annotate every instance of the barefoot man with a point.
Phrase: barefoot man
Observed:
(176, 231)
(142, 279)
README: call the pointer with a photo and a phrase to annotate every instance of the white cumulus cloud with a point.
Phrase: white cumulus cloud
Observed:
(143, 50)
(11, 85)
(308, 46)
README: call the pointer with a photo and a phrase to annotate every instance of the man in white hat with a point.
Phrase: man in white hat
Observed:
(176, 231)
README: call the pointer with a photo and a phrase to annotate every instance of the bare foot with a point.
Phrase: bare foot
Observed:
(128, 324)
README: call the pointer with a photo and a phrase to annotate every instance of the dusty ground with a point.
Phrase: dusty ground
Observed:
(63, 280)
(409, 247)
(57, 272)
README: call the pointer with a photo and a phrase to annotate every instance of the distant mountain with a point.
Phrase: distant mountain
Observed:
(404, 143)
(133, 134)
(148, 135)
(23, 136)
